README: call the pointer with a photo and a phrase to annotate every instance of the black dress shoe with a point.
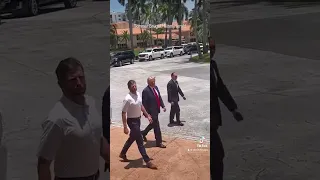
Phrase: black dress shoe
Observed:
(161, 146)
(124, 157)
(180, 124)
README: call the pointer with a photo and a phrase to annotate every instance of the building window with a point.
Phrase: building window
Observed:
(142, 44)
(122, 46)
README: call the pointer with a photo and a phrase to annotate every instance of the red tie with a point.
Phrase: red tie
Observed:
(157, 97)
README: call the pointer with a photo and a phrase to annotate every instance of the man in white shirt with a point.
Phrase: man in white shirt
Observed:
(72, 133)
(131, 114)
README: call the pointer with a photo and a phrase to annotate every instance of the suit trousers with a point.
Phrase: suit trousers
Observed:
(216, 156)
(155, 125)
(135, 135)
(175, 110)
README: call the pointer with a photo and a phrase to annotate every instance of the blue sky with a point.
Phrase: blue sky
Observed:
(116, 7)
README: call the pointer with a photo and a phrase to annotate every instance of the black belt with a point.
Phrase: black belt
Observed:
(92, 177)
(137, 118)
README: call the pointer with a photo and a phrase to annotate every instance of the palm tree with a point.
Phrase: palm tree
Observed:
(145, 36)
(125, 36)
(113, 36)
(129, 4)
(158, 31)
(148, 18)
(204, 17)
(195, 19)
(183, 14)
(164, 11)
(138, 9)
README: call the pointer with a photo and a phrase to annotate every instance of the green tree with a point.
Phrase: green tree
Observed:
(158, 31)
(129, 13)
(125, 36)
(113, 36)
(183, 14)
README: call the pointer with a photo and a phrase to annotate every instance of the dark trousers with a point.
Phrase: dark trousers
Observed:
(175, 110)
(216, 156)
(156, 128)
(135, 135)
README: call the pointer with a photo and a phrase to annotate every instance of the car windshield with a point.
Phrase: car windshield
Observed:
(115, 54)
(169, 48)
(148, 50)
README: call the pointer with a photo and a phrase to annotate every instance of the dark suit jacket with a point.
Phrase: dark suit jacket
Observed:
(106, 121)
(149, 101)
(218, 90)
(173, 91)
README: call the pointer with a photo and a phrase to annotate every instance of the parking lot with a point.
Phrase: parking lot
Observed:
(30, 50)
(193, 79)
(269, 59)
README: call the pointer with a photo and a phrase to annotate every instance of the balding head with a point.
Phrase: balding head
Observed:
(151, 81)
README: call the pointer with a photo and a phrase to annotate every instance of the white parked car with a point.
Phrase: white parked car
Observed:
(173, 51)
(151, 54)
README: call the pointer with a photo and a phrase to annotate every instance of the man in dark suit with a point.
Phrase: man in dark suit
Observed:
(106, 120)
(152, 101)
(174, 90)
(218, 90)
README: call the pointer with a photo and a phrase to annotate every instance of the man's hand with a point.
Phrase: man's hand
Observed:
(164, 109)
(150, 119)
(126, 130)
(237, 115)
(172, 103)
(184, 98)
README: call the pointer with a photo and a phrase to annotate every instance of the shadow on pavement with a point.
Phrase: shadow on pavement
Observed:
(42, 11)
(152, 144)
(285, 3)
(136, 163)
(3, 154)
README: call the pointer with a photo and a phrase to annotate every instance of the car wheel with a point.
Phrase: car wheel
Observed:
(162, 56)
(70, 3)
(29, 8)
(150, 58)
(171, 55)
(34, 8)
(119, 63)
(181, 53)
(131, 61)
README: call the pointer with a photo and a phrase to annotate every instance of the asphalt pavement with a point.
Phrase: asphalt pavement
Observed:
(30, 49)
(268, 58)
(194, 80)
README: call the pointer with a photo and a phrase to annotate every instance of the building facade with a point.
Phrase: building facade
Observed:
(157, 39)
(116, 17)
